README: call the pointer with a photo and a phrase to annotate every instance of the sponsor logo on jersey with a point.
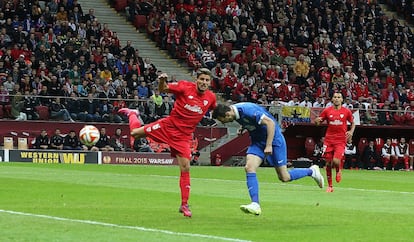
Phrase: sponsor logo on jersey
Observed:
(190, 97)
(193, 108)
(336, 122)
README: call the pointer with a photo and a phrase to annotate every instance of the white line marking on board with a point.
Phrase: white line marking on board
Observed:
(122, 226)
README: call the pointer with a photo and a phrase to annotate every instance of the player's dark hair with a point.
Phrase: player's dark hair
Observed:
(203, 71)
(220, 111)
(339, 92)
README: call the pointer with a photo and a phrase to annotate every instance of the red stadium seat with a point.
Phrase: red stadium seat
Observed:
(120, 5)
(379, 143)
(309, 146)
(140, 21)
(1, 112)
(229, 46)
(363, 142)
(43, 112)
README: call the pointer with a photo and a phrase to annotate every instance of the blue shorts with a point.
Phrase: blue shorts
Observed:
(278, 157)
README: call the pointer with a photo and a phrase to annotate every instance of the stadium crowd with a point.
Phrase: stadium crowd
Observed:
(58, 62)
(293, 52)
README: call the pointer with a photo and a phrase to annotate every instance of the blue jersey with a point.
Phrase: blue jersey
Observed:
(249, 116)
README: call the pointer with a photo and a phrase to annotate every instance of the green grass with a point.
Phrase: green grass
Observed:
(140, 203)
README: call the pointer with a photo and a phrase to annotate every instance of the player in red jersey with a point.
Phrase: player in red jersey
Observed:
(192, 101)
(336, 135)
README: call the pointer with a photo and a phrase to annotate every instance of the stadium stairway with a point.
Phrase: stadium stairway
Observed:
(126, 31)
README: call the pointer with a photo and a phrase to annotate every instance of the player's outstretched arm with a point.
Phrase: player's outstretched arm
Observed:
(162, 84)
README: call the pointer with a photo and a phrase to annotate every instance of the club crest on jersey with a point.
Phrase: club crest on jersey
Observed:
(205, 102)
(190, 97)
(341, 115)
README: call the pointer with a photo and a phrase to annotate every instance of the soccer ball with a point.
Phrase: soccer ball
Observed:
(89, 135)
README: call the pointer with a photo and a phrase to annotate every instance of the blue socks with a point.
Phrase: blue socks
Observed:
(298, 173)
(253, 186)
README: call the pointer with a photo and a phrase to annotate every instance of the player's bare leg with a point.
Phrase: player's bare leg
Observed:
(411, 163)
(184, 164)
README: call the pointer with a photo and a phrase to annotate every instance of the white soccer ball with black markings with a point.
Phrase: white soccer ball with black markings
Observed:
(89, 135)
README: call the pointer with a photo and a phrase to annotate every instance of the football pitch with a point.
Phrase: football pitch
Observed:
(58, 202)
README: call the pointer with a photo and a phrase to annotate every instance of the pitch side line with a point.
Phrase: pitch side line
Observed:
(122, 226)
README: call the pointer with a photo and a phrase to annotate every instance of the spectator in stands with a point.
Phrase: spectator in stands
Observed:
(73, 106)
(229, 35)
(59, 111)
(117, 141)
(89, 110)
(143, 90)
(351, 161)
(319, 103)
(402, 154)
(208, 58)
(17, 105)
(371, 160)
(306, 102)
(71, 142)
(103, 143)
(291, 60)
(294, 102)
(56, 141)
(142, 145)
(388, 154)
(42, 141)
(389, 94)
(385, 115)
(301, 70)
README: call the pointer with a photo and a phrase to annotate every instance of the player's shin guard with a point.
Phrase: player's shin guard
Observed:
(185, 187)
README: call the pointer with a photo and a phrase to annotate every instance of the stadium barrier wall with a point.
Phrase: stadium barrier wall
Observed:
(86, 157)
(138, 158)
(51, 156)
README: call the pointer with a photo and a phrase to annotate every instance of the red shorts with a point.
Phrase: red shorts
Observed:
(334, 151)
(164, 131)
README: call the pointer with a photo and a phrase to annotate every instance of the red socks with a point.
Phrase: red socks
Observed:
(329, 175)
(185, 187)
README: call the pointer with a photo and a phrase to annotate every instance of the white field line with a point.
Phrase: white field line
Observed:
(90, 222)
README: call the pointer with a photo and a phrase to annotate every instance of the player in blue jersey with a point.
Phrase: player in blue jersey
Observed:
(267, 142)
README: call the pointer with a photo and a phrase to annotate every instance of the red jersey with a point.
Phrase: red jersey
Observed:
(190, 106)
(337, 124)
